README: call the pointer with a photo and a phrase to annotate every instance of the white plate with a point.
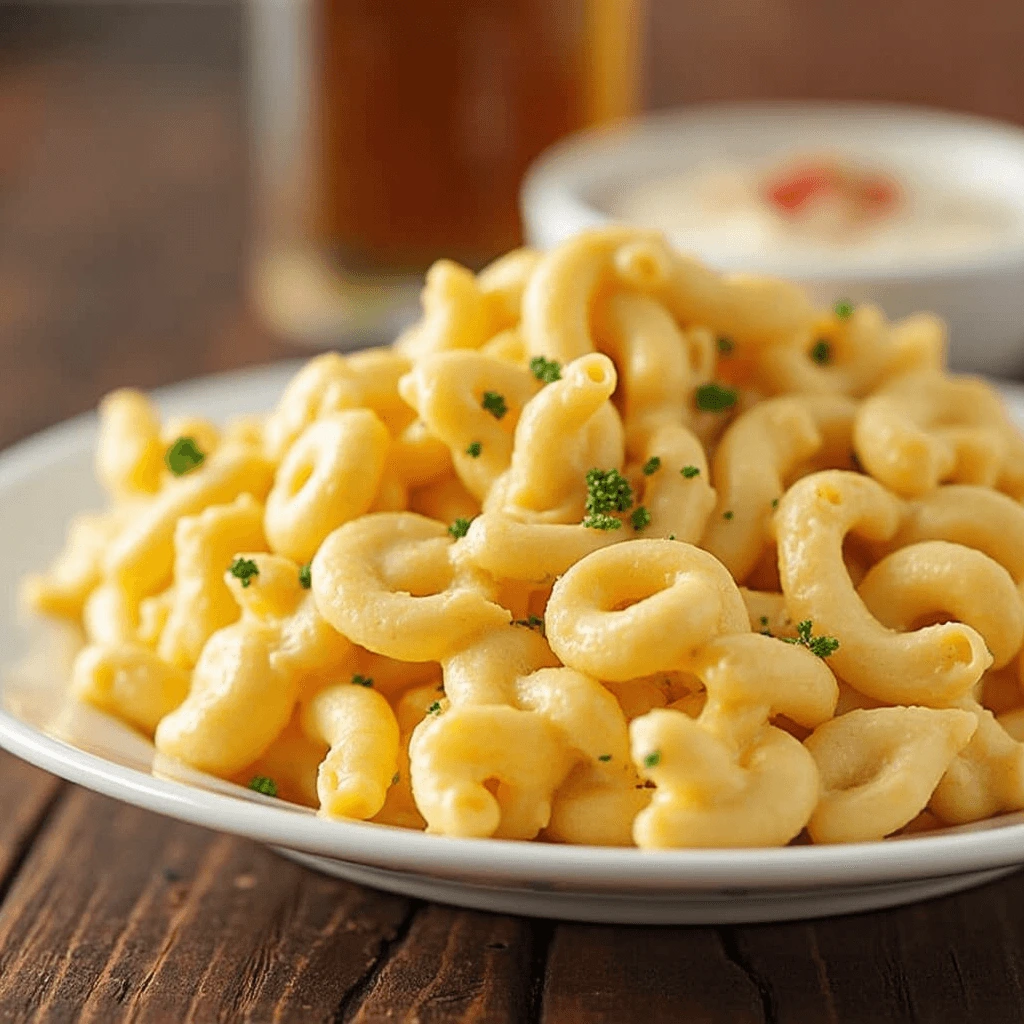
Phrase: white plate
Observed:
(45, 480)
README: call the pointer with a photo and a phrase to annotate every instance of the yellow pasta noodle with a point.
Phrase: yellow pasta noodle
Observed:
(879, 768)
(933, 665)
(642, 607)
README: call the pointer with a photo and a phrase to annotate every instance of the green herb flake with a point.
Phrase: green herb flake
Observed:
(653, 759)
(602, 521)
(435, 708)
(494, 404)
(640, 519)
(305, 576)
(474, 449)
(727, 516)
(821, 646)
(843, 309)
(358, 680)
(715, 397)
(604, 757)
(764, 620)
(263, 784)
(545, 370)
(821, 352)
(775, 503)
(395, 778)
(671, 536)
(726, 346)
(652, 465)
(460, 527)
(183, 456)
(607, 491)
(690, 472)
(531, 622)
(244, 569)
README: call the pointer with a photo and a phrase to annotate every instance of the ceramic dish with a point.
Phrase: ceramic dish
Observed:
(45, 480)
(572, 185)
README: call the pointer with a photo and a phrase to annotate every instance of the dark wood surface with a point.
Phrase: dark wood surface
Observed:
(122, 240)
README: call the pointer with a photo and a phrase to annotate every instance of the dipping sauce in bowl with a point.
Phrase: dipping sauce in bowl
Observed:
(817, 205)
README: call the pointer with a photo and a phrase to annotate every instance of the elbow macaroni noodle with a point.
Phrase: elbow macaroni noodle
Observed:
(487, 582)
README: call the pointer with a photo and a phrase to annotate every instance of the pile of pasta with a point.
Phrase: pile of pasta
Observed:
(606, 548)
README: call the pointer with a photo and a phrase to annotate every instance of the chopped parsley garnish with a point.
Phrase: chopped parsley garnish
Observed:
(764, 620)
(395, 778)
(690, 472)
(726, 346)
(435, 708)
(653, 759)
(727, 516)
(358, 680)
(460, 527)
(474, 449)
(843, 309)
(305, 576)
(546, 370)
(821, 353)
(652, 465)
(602, 521)
(640, 519)
(775, 503)
(183, 456)
(244, 569)
(715, 397)
(607, 491)
(531, 622)
(671, 536)
(263, 784)
(494, 404)
(822, 646)
(604, 757)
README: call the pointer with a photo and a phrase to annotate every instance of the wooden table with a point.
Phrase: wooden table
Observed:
(121, 244)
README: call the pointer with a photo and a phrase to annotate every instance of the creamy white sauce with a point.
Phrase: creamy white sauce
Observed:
(721, 209)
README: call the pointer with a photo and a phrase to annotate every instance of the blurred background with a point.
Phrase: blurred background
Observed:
(191, 186)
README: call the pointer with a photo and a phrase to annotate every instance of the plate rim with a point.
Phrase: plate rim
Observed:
(372, 845)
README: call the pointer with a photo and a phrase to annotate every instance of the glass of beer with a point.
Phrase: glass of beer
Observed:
(388, 133)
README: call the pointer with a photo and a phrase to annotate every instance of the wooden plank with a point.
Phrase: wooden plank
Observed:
(119, 915)
(597, 974)
(26, 797)
(454, 967)
(956, 958)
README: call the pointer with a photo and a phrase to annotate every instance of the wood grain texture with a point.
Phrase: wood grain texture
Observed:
(455, 966)
(27, 797)
(119, 915)
(606, 975)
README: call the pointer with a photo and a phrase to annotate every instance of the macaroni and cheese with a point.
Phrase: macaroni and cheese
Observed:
(606, 548)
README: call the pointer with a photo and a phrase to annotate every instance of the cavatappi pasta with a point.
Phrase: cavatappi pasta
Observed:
(606, 548)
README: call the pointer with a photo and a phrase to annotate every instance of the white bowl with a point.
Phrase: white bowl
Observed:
(980, 294)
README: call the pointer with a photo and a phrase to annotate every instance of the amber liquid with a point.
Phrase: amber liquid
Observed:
(430, 111)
